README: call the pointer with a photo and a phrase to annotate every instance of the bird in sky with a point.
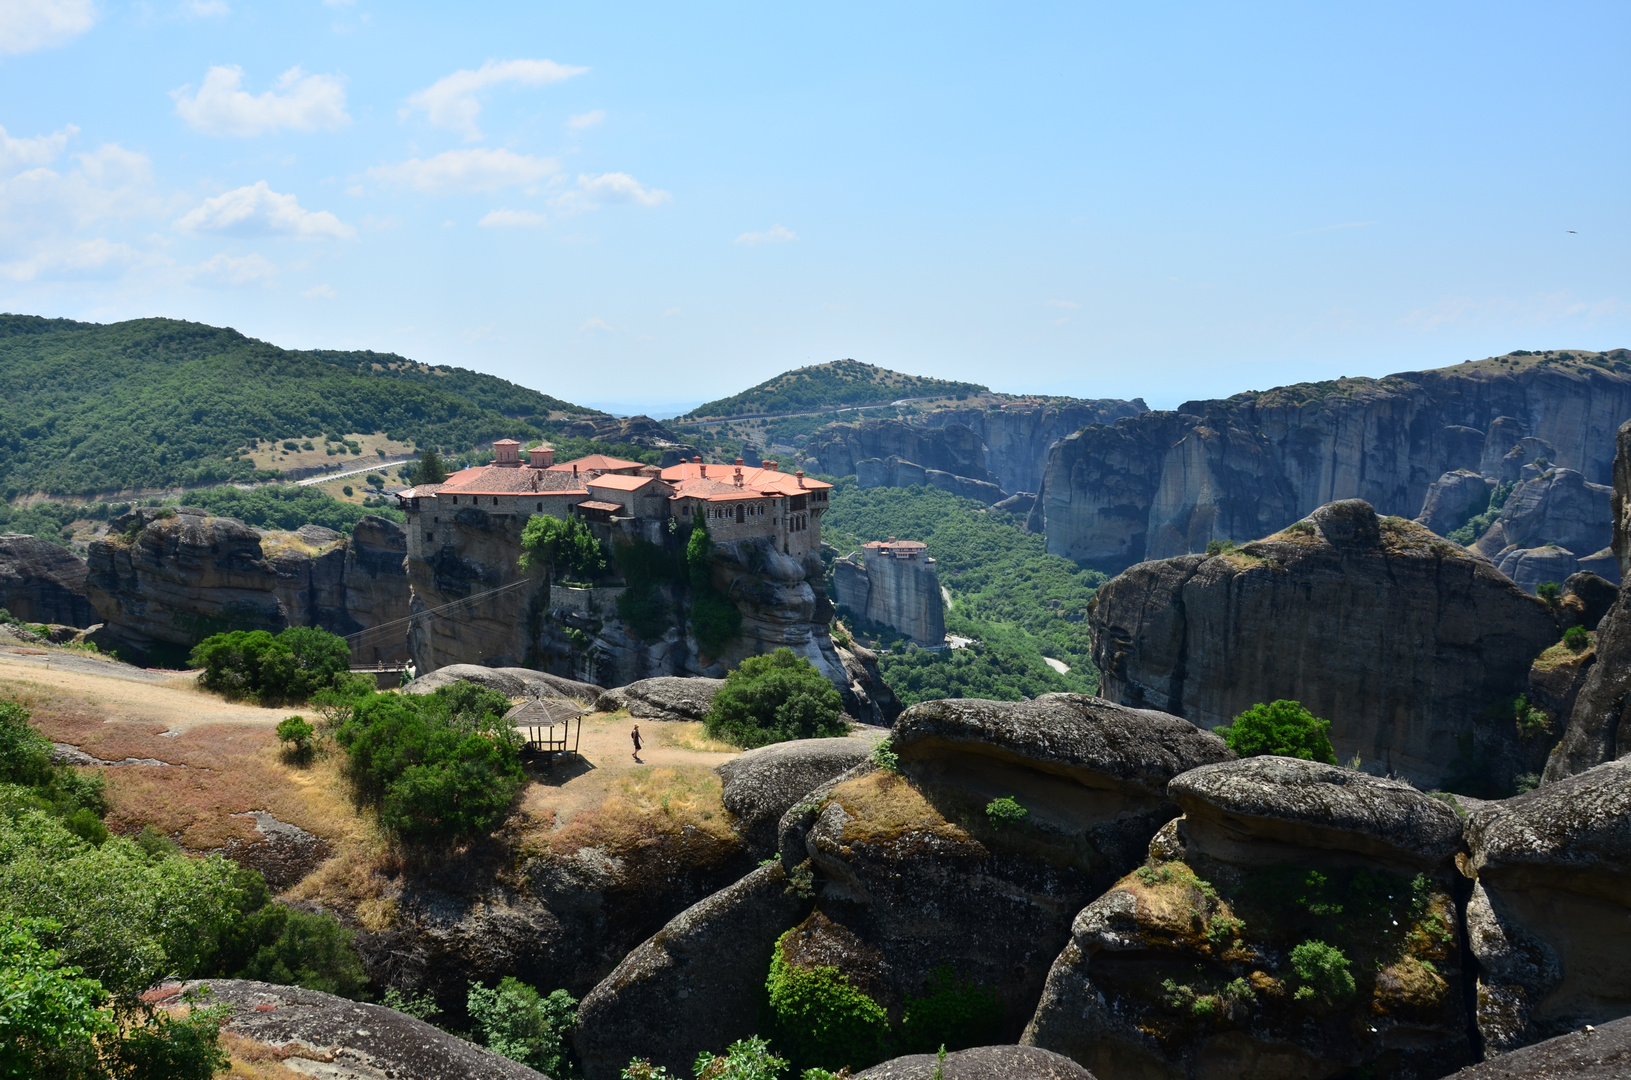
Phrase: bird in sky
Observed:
(1572, 231)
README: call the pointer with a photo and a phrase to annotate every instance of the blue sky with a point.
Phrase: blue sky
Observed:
(645, 207)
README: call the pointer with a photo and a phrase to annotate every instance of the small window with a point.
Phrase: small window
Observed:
(540, 508)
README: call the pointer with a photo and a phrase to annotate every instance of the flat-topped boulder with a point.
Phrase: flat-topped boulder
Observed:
(340, 1038)
(980, 1063)
(1252, 810)
(1595, 1052)
(512, 682)
(666, 697)
(1550, 914)
(764, 783)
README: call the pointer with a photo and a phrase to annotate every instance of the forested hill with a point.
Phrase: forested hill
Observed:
(151, 403)
(823, 386)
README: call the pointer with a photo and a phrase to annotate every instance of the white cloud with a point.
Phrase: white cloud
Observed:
(467, 170)
(258, 210)
(584, 121)
(776, 234)
(26, 25)
(206, 9)
(39, 150)
(321, 292)
(614, 187)
(1071, 304)
(224, 269)
(505, 218)
(109, 182)
(451, 102)
(297, 101)
(97, 257)
(595, 324)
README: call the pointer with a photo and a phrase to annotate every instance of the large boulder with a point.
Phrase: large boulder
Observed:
(1550, 914)
(42, 582)
(511, 682)
(694, 986)
(920, 866)
(763, 784)
(336, 1037)
(1403, 641)
(1600, 1052)
(1559, 507)
(666, 697)
(980, 1063)
(1453, 499)
(1198, 964)
(868, 699)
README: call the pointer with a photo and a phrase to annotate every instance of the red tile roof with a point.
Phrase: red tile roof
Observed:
(590, 504)
(767, 480)
(492, 480)
(597, 463)
(711, 490)
(618, 482)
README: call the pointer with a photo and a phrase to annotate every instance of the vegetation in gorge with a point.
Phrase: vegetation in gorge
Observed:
(1283, 728)
(515, 1020)
(1019, 602)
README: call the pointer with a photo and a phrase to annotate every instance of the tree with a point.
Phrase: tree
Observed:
(297, 733)
(515, 1020)
(429, 470)
(774, 698)
(1280, 727)
(47, 1009)
(260, 666)
(565, 544)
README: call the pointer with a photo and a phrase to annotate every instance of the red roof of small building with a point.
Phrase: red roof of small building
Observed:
(492, 480)
(897, 545)
(590, 504)
(596, 463)
(711, 490)
(768, 481)
(619, 482)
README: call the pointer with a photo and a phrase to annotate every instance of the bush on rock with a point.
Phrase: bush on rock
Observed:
(775, 698)
(1283, 728)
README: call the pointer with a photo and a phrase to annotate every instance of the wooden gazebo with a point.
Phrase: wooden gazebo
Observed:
(552, 727)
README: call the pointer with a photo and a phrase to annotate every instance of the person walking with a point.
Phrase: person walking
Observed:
(635, 735)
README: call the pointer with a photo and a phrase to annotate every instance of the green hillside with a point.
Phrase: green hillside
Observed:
(825, 386)
(154, 403)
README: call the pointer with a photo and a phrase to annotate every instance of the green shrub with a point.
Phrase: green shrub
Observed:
(1576, 638)
(819, 1017)
(48, 1010)
(1322, 973)
(298, 948)
(419, 1006)
(774, 698)
(438, 767)
(1220, 547)
(1549, 591)
(1280, 727)
(563, 544)
(884, 757)
(745, 1059)
(1005, 811)
(298, 734)
(1530, 721)
(25, 760)
(261, 667)
(515, 1020)
(954, 1012)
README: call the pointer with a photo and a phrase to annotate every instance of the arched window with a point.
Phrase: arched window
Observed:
(741, 513)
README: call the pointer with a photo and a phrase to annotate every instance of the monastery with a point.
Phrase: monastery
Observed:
(625, 498)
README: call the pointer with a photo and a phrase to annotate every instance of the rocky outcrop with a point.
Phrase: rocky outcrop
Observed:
(663, 698)
(980, 1063)
(1166, 483)
(1550, 914)
(323, 1035)
(763, 784)
(893, 471)
(918, 868)
(1018, 434)
(1453, 499)
(641, 431)
(692, 987)
(952, 449)
(1408, 645)
(894, 587)
(869, 699)
(1548, 523)
(1595, 1052)
(163, 580)
(511, 682)
(1200, 962)
(41, 582)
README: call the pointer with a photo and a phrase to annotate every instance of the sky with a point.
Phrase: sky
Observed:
(643, 207)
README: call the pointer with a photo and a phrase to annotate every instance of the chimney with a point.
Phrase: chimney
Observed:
(801, 477)
(738, 472)
(739, 463)
(574, 472)
(543, 456)
(508, 458)
(697, 460)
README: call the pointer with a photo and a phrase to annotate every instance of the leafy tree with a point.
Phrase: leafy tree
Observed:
(515, 1020)
(1280, 727)
(429, 469)
(297, 733)
(257, 665)
(745, 1059)
(565, 544)
(48, 1010)
(279, 944)
(774, 698)
(75, 798)
(1576, 638)
(1322, 972)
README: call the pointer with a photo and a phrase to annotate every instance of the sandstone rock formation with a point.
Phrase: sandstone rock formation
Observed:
(695, 986)
(763, 784)
(163, 580)
(1406, 643)
(1550, 914)
(869, 699)
(41, 582)
(511, 682)
(1597, 1052)
(1546, 526)
(1454, 498)
(980, 1063)
(640, 431)
(663, 697)
(952, 449)
(1165, 483)
(1018, 434)
(895, 471)
(914, 865)
(1197, 964)
(895, 585)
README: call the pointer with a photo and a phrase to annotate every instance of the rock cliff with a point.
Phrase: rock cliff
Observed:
(1199, 963)
(1549, 522)
(896, 588)
(43, 583)
(1165, 483)
(1410, 646)
(163, 580)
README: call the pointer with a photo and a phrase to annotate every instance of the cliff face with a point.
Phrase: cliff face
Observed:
(1402, 640)
(952, 448)
(903, 594)
(1017, 435)
(162, 584)
(42, 583)
(1166, 483)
